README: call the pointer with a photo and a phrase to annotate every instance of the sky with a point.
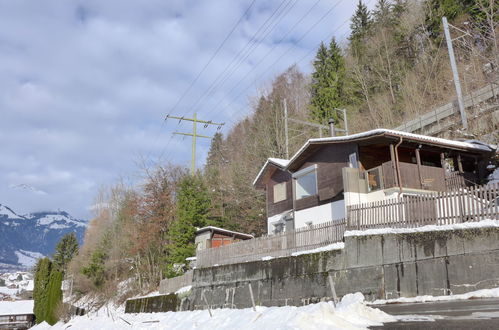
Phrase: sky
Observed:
(85, 85)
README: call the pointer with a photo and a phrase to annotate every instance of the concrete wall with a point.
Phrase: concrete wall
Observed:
(379, 266)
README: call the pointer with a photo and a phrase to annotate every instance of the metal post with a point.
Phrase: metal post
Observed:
(453, 65)
(252, 297)
(345, 119)
(194, 135)
(203, 297)
(331, 127)
(333, 291)
(286, 128)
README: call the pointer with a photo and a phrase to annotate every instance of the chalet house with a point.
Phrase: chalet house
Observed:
(213, 237)
(328, 174)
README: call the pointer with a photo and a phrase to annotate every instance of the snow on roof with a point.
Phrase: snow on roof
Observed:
(279, 162)
(223, 230)
(19, 307)
(284, 163)
(382, 131)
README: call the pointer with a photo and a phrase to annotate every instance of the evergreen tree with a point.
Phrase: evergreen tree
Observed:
(47, 292)
(328, 79)
(360, 23)
(65, 250)
(53, 296)
(383, 12)
(95, 269)
(451, 9)
(193, 204)
(40, 290)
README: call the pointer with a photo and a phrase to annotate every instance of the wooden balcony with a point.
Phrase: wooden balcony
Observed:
(412, 176)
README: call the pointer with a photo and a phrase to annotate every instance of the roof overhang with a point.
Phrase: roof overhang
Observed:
(312, 145)
(214, 229)
(268, 169)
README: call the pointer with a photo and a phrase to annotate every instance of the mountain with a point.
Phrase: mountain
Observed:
(25, 238)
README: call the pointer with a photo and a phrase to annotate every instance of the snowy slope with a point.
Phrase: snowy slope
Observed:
(350, 313)
(25, 238)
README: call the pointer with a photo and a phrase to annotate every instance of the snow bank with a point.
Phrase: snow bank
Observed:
(485, 293)
(350, 313)
(184, 289)
(466, 225)
(330, 247)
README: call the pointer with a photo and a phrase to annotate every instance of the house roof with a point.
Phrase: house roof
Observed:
(271, 162)
(475, 146)
(224, 231)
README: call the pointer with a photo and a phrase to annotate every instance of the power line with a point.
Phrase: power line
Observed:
(275, 62)
(212, 57)
(240, 57)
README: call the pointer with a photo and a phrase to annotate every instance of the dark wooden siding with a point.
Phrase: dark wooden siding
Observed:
(275, 208)
(330, 160)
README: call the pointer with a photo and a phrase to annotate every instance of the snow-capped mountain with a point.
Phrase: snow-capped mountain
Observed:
(25, 238)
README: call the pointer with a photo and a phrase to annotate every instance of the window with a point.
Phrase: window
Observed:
(374, 178)
(280, 192)
(352, 159)
(305, 182)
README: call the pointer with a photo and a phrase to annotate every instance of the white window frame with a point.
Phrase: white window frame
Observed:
(285, 192)
(301, 173)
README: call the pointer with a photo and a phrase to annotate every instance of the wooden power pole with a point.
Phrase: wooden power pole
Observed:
(194, 134)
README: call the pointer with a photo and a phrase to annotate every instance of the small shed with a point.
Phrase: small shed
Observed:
(213, 237)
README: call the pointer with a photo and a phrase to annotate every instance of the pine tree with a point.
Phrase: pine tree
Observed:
(360, 23)
(215, 164)
(328, 79)
(65, 250)
(451, 9)
(383, 12)
(95, 269)
(193, 204)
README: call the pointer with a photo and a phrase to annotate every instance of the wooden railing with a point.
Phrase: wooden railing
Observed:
(280, 245)
(474, 203)
(467, 204)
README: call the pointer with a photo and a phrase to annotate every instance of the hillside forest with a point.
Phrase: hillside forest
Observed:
(393, 67)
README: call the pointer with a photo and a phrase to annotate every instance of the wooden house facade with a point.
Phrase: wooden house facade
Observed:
(328, 174)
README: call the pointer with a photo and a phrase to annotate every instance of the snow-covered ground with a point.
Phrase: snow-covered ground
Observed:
(466, 225)
(484, 293)
(15, 283)
(351, 313)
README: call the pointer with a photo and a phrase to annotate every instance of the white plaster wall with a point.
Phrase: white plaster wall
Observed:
(274, 218)
(352, 198)
(320, 214)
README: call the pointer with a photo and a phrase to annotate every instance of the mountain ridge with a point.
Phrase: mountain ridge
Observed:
(25, 238)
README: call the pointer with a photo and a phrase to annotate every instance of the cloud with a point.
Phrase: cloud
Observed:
(85, 85)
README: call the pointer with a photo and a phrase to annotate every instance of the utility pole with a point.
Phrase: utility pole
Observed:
(286, 128)
(194, 134)
(453, 65)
